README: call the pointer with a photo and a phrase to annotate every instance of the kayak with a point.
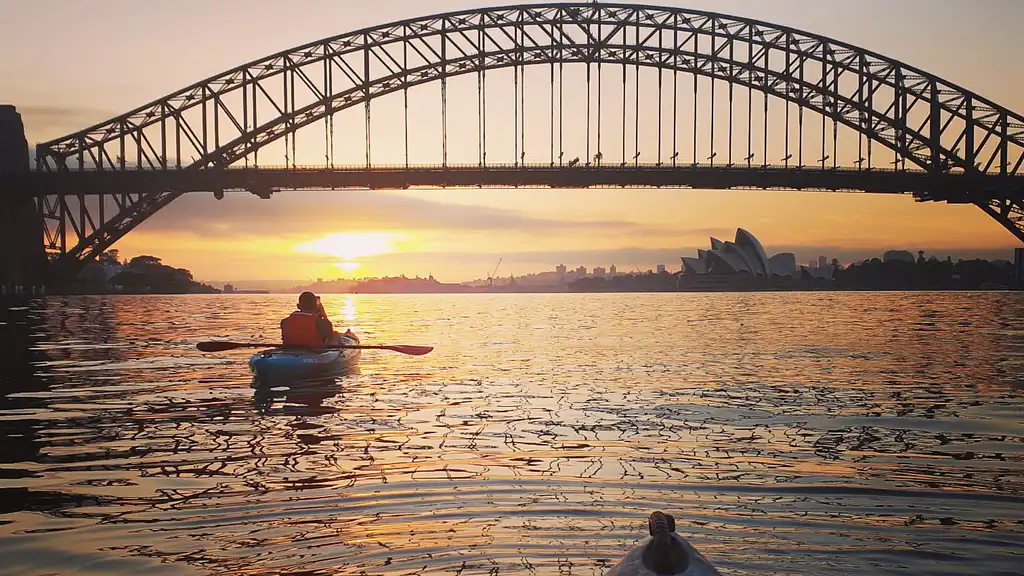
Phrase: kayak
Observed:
(664, 553)
(292, 364)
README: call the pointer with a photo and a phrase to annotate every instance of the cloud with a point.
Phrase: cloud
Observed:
(305, 213)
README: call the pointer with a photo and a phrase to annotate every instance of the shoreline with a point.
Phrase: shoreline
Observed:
(499, 292)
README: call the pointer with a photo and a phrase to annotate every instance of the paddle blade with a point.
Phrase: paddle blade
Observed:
(218, 346)
(214, 346)
(411, 350)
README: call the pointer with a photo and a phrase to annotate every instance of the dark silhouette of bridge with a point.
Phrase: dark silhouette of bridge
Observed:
(596, 95)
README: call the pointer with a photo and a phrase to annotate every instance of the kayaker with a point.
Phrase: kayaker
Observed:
(308, 327)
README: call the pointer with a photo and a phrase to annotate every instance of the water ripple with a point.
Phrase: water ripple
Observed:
(788, 433)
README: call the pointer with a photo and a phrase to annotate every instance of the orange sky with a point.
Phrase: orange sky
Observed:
(459, 235)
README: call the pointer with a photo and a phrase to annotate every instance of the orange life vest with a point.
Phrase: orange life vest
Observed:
(299, 329)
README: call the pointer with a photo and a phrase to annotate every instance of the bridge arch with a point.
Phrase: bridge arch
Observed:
(928, 124)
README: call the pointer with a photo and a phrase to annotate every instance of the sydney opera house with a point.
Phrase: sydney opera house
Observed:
(746, 255)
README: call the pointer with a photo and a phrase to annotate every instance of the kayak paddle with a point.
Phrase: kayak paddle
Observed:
(225, 346)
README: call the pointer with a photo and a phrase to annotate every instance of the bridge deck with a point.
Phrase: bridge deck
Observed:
(949, 186)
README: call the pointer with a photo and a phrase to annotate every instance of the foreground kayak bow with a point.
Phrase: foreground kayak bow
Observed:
(665, 553)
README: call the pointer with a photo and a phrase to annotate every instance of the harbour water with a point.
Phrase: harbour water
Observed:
(815, 433)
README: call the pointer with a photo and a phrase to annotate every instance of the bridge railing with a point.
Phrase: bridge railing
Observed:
(546, 166)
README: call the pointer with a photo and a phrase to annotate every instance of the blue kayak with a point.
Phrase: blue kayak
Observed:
(664, 553)
(296, 364)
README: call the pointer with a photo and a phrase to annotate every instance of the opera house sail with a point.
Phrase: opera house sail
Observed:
(746, 255)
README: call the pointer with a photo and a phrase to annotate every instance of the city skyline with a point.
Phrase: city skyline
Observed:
(610, 270)
(457, 234)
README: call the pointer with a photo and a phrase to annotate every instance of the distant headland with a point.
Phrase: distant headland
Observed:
(389, 285)
(140, 275)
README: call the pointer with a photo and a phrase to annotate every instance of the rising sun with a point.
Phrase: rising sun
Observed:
(351, 247)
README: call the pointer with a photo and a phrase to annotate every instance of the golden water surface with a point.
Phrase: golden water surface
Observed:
(824, 433)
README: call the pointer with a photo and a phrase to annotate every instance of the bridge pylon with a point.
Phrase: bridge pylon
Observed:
(23, 264)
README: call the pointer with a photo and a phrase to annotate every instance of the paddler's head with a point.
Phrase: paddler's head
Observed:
(308, 302)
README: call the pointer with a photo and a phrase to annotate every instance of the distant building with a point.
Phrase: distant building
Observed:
(695, 265)
(600, 272)
(229, 288)
(812, 264)
(111, 270)
(613, 271)
(822, 262)
(893, 255)
(581, 271)
(560, 269)
(783, 264)
(817, 273)
(661, 268)
(745, 255)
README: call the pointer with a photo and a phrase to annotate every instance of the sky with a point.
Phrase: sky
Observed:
(77, 63)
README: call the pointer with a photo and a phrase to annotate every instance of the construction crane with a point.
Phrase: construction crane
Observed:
(490, 277)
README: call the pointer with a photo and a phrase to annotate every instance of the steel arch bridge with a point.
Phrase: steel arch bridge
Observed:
(836, 116)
